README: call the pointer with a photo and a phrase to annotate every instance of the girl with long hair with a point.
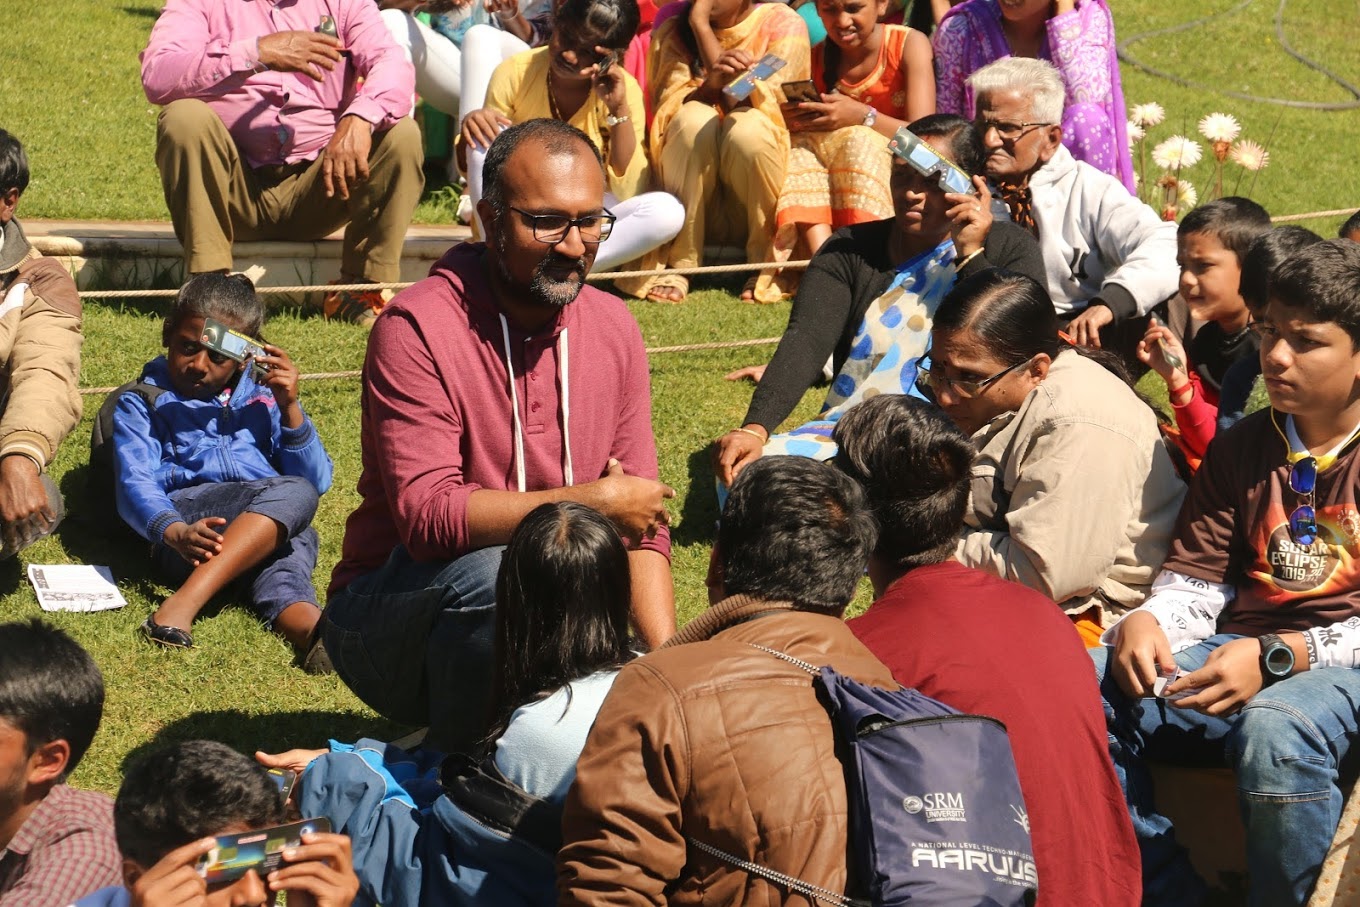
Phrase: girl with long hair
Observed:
(484, 827)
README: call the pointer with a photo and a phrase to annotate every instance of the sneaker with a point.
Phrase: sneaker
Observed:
(357, 306)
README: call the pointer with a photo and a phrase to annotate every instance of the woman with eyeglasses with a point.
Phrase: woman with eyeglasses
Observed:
(577, 78)
(865, 305)
(1076, 36)
(1074, 492)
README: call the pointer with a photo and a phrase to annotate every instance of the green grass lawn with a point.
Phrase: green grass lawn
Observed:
(69, 90)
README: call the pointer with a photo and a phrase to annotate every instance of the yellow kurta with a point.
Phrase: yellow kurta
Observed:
(726, 170)
(519, 89)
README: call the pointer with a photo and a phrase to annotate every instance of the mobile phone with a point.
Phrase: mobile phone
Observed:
(222, 340)
(607, 63)
(232, 856)
(801, 90)
(930, 163)
(285, 778)
(1176, 362)
(741, 88)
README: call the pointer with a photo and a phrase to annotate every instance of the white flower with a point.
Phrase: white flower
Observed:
(1148, 115)
(1186, 196)
(1177, 153)
(1220, 127)
(1250, 155)
(1136, 132)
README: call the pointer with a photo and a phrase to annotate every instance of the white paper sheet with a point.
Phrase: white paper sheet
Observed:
(75, 587)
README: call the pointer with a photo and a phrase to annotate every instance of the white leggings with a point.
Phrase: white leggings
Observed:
(437, 60)
(484, 48)
(645, 221)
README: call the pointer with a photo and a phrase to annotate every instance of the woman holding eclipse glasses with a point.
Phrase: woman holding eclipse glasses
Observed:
(867, 300)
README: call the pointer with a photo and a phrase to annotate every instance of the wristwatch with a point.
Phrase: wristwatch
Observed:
(871, 117)
(1277, 658)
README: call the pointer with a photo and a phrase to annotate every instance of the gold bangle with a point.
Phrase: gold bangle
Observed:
(961, 263)
(753, 433)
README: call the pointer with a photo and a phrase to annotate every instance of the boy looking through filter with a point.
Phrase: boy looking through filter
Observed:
(222, 471)
(172, 806)
(1211, 248)
(1258, 605)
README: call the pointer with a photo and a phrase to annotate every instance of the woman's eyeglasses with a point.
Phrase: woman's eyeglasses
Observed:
(931, 382)
(553, 228)
(1303, 482)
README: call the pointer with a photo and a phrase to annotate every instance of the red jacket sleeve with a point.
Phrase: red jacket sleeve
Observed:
(1197, 418)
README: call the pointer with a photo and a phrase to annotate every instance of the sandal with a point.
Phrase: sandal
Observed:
(678, 283)
(167, 636)
(315, 659)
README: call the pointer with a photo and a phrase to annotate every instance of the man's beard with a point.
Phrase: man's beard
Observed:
(544, 289)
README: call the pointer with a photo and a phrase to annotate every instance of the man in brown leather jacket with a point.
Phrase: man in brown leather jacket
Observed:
(709, 742)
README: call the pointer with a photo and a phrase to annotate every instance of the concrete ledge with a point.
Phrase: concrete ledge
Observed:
(118, 256)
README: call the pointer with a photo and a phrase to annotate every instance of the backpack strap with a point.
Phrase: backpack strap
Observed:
(806, 889)
(480, 790)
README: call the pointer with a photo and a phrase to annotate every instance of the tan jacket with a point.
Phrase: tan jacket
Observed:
(1074, 494)
(712, 739)
(40, 319)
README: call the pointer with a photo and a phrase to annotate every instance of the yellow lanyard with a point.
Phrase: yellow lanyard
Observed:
(1298, 452)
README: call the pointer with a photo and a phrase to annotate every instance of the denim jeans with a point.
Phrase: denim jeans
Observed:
(414, 642)
(284, 577)
(1290, 747)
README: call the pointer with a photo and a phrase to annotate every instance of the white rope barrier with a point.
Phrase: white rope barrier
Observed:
(651, 350)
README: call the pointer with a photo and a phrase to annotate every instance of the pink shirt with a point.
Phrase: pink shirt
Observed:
(206, 49)
(437, 421)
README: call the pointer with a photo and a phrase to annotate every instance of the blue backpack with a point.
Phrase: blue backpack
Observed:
(936, 813)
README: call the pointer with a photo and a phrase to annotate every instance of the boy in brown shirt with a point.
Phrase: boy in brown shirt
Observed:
(1258, 604)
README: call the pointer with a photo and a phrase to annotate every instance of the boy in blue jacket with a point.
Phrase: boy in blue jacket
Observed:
(221, 472)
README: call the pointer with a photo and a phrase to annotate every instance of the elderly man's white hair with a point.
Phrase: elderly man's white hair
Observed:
(1037, 80)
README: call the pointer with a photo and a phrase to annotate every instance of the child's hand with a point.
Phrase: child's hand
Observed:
(173, 881)
(282, 379)
(293, 760)
(197, 542)
(320, 873)
(1158, 346)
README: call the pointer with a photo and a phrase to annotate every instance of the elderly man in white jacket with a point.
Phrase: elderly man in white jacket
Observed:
(1108, 256)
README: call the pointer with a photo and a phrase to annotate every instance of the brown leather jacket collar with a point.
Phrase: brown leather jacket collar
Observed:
(735, 609)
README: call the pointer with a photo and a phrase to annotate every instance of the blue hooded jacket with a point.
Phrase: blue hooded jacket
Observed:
(180, 442)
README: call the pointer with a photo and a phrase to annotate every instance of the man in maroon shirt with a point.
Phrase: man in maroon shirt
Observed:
(987, 646)
(56, 842)
(499, 383)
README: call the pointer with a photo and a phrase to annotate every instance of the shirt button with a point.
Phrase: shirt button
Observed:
(533, 377)
(534, 408)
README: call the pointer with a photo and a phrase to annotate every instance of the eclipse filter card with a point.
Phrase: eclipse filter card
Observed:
(929, 163)
(232, 856)
(741, 89)
(801, 90)
(234, 345)
(285, 778)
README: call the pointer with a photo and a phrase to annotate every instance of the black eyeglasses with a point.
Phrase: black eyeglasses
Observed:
(930, 383)
(1009, 132)
(1303, 527)
(553, 228)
